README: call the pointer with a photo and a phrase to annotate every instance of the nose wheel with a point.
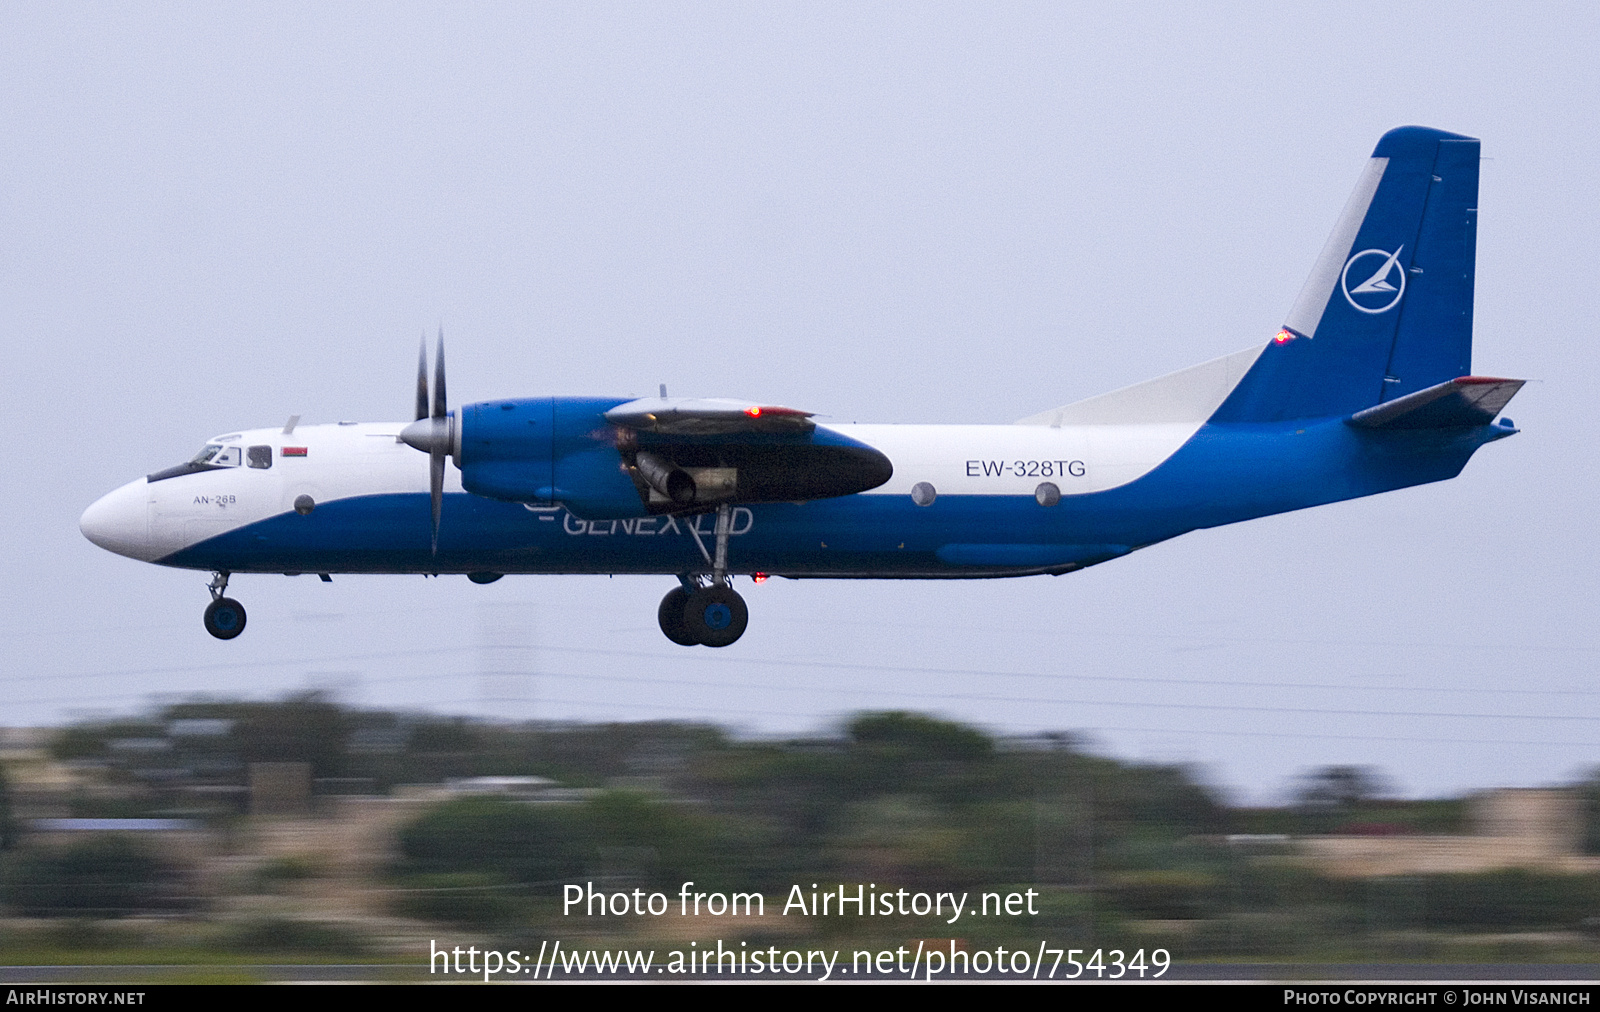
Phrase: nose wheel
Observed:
(224, 617)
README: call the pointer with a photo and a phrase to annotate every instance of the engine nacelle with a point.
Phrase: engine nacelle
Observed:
(550, 450)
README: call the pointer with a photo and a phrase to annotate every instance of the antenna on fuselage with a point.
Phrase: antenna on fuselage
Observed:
(288, 427)
(663, 391)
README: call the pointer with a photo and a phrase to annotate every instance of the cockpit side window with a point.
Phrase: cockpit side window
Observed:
(259, 456)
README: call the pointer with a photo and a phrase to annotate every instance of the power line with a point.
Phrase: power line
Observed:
(1068, 676)
(811, 665)
(983, 697)
(834, 622)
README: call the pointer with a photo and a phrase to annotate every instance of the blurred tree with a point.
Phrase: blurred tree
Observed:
(1509, 900)
(289, 934)
(664, 842)
(901, 735)
(102, 875)
(8, 822)
(1341, 787)
(1588, 791)
(517, 843)
(307, 728)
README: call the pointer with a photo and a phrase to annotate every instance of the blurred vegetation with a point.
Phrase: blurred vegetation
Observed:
(292, 935)
(1125, 852)
(1374, 817)
(1589, 793)
(98, 875)
(8, 822)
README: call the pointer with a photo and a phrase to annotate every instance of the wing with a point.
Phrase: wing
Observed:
(704, 416)
(690, 453)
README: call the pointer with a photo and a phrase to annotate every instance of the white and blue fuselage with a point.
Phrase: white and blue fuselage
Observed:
(1366, 388)
(1119, 485)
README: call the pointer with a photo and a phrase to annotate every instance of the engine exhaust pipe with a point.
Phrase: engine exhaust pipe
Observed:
(666, 477)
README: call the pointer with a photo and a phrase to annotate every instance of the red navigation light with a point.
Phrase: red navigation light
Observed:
(759, 577)
(1283, 337)
(753, 412)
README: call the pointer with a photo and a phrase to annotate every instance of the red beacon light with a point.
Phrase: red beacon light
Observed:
(759, 577)
(753, 411)
(1283, 336)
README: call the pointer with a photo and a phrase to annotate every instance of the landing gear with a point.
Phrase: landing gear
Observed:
(224, 617)
(713, 615)
(670, 615)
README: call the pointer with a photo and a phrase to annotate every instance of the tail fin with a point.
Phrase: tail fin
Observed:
(1387, 310)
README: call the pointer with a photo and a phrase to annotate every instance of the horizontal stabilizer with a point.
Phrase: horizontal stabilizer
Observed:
(1464, 401)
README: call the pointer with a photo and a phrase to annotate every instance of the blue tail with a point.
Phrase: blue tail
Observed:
(1387, 310)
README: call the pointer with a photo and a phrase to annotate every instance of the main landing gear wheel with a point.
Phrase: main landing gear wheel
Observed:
(670, 615)
(715, 616)
(224, 618)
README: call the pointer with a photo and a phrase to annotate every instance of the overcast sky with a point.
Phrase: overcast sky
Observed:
(213, 216)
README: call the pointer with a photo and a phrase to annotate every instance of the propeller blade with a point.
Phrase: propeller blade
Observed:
(438, 378)
(436, 491)
(441, 429)
(422, 377)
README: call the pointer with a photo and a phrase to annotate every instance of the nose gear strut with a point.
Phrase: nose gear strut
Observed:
(224, 617)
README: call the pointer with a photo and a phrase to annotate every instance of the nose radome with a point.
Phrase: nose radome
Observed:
(119, 521)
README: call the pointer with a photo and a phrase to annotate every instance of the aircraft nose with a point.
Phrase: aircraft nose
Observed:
(120, 521)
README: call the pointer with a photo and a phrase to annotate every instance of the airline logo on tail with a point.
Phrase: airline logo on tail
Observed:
(1382, 291)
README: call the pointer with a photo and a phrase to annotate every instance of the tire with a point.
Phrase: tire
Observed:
(224, 618)
(715, 616)
(670, 615)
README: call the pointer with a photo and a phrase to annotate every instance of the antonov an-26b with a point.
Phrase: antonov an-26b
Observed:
(1367, 387)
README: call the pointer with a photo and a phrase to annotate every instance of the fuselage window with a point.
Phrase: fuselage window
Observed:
(259, 456)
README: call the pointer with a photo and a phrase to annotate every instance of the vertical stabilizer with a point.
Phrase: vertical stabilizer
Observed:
(1387, 310)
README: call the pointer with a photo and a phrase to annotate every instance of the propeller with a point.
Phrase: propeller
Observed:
(434, 431)
(422, 377)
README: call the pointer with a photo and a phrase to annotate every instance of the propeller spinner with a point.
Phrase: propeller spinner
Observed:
(434, 431)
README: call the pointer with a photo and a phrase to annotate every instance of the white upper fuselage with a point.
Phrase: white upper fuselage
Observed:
(1087, 447)
(151, 520)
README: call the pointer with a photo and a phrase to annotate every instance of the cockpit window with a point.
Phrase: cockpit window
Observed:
(211, 457)
(217, 455)
(258, 456)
